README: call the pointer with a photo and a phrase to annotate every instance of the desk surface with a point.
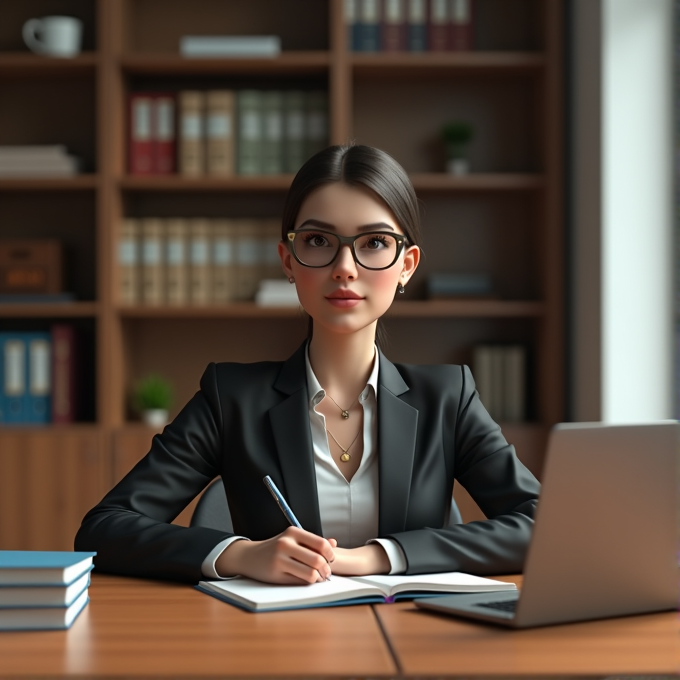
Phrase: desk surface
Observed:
(142, 629)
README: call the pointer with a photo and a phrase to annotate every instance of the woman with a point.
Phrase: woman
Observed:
(365, 451)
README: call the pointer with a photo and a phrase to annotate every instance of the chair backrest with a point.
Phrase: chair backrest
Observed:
(212, 510)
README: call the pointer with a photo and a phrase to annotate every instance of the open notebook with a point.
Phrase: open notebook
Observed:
(256, 596)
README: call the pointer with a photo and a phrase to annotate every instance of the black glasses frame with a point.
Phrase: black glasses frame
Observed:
(347, 241)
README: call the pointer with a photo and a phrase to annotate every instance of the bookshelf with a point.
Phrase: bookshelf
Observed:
(504, 218)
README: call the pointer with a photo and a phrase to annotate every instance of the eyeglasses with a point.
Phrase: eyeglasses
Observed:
(318, 248)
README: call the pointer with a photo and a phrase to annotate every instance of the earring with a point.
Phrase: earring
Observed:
(291, 279)
(400, 288)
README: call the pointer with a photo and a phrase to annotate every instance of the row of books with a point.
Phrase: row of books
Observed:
(43, 590)
(225, 132)
(38, 379)
(409, 25)
(37, 161)
(196, 261)
(500, 373)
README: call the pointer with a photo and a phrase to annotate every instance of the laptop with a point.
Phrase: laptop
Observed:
(606, 532)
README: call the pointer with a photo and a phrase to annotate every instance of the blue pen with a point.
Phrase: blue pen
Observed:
(281, 502)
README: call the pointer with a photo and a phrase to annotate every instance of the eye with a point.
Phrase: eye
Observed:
(376, 242)
(315, 240)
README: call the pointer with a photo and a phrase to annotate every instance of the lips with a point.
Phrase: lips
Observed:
(344, 295)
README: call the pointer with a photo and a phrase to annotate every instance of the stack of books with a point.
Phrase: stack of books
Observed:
(276, 293)
(37, 161)
(43, 590)
(222, 133)
(409, 25)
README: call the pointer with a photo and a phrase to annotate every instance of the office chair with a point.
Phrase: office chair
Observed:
(212, 510)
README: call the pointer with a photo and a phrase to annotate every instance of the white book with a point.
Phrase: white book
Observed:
(42, 618)
(211, 46)
(258, 597)
(43, 596)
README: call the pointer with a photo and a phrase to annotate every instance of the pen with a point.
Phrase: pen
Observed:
(281, 502)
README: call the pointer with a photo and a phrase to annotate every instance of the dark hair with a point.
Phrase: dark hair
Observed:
(357, 166)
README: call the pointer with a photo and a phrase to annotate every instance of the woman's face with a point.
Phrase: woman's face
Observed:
(344, 297)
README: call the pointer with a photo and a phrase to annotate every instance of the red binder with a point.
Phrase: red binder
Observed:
(461, 25)
(163, 127)
(140, 133)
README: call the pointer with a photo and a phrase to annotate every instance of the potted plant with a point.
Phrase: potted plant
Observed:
(152, 397)
(456, 136)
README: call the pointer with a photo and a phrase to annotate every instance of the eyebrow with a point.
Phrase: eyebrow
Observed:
(365, 227)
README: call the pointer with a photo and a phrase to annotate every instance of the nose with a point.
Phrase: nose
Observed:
(344, 266)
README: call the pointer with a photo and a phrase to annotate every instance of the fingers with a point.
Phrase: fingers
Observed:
(317, 544)
(305, 555)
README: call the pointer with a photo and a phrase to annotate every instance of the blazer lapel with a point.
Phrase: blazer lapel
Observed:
(397, 427)
(290, 424)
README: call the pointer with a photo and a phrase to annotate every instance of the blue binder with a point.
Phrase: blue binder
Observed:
(38, 377)
(14, 374)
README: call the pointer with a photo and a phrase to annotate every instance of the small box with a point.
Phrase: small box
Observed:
(31, 266)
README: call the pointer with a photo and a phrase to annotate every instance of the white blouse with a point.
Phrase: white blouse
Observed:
(348, 509)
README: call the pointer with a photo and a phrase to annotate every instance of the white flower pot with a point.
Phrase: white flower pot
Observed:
(458, 166)
(155, 417)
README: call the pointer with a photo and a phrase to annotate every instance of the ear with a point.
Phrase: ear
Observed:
(286, 259)
(411, 260)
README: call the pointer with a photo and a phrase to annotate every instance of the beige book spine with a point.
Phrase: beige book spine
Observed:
(191, 133)
(129, 262)
(153, 285)
(224, 261)
(220, 159)
(199, 261)
(271, 237)
(248, 258)
(176, 262)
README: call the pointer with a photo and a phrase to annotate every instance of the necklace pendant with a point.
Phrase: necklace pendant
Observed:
(345, 457)
(345, 414)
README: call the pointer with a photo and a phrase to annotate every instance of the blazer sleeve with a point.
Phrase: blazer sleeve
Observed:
(130, 528)
(505, 490)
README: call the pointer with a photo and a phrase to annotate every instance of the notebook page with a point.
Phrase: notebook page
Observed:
(447, 582)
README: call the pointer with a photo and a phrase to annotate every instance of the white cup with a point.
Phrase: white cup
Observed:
(54, 36)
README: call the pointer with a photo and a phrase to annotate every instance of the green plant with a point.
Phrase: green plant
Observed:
(152, 392)
(456, 135)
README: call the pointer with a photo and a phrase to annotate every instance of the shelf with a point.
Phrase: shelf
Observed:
(47, 310)
(66, 428)
(400, 64)
(23, 63)
(434, 181)
(179, 183)
(402, 309)
(174, 64)
(75, 183)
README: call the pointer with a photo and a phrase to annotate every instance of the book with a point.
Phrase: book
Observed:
(272, 132)
(42, 618)
(31, 265)
(438, 26)
(295, 151)
(220, 133)
(248, 258)
(176, 262)
(220, 46)
(163, 132)
(393, 26)
(191, 151)
(250, 132)
(64, 374)
(416, 28)
(515, 383)
(460, 39)
(369, 25)
(224, 261)
(42, 567)
(449, 284)
(256, 596)
(140, 134)
(36, 161)
(36, 298)
(276, 293)
(317, 121)
(199, 261)
(129, 261)
(153, 279)
(269, 254)
(352, 25)
(39, 378)
(13, 357)
(44, 596)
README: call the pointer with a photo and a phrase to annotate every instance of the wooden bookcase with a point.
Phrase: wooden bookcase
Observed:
(506, 218)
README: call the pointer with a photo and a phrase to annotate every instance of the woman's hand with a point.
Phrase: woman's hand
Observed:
(367, 559)
(294, 557)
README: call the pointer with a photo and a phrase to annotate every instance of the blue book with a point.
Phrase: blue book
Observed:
(369, 26)
(16, 597)
(416, 34)
(352, 25)
(42, 567)
(38, 378)
(13, 357)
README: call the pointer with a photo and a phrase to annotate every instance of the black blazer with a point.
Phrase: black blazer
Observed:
(250, 420)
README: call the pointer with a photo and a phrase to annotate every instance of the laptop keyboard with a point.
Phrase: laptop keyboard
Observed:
(504, 606)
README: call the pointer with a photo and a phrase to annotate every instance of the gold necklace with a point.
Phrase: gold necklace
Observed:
(344, 412)
(345, 457)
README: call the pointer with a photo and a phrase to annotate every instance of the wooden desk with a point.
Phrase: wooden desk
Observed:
(135, 628)
(428, 644)
(141, 628)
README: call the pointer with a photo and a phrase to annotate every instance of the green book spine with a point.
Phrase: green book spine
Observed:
(295, 151)
(250, 132)
(317, 121)
(272, 119)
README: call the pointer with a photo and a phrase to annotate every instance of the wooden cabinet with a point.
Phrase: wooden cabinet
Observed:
(504, 219)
